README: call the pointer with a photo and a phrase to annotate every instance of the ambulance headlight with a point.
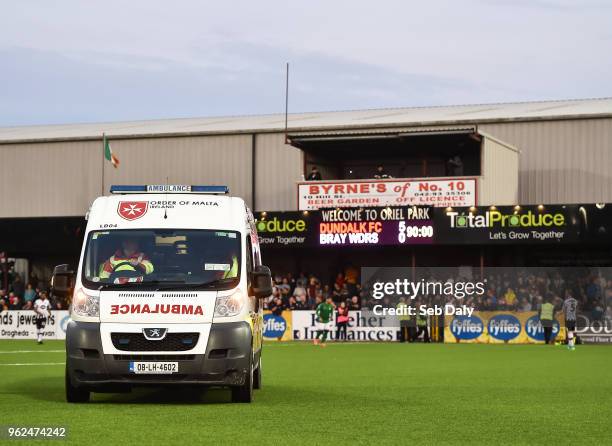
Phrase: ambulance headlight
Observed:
(85, 305)
(230, 305)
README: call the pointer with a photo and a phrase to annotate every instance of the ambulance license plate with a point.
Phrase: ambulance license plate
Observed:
(153, 368)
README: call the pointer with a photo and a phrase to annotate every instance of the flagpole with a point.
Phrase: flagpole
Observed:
(103, 156)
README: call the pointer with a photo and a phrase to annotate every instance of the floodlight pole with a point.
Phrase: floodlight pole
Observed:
(287, 104)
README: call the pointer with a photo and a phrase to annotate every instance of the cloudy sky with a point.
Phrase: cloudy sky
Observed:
(76, 61)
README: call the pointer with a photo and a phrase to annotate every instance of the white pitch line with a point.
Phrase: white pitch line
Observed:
(34, 363)
(32, 351)
(300, 342)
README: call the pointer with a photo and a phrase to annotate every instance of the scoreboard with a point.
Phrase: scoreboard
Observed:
(382, 226)
(412, 225)
(375, 226)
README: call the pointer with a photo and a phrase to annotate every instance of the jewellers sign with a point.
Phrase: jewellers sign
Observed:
(21, 324)
(444, 192)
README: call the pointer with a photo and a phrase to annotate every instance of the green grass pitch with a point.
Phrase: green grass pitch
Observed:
(343, 394)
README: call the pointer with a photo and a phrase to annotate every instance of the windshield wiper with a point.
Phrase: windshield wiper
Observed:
(130, 285)
(199, 286)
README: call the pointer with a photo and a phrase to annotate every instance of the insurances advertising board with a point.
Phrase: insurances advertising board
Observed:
(490, 327)
(301, 326)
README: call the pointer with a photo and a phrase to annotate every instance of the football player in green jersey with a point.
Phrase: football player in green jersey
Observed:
(324, 313)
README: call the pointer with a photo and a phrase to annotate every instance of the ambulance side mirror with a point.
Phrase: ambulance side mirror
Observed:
(261, 281)
(62, 281)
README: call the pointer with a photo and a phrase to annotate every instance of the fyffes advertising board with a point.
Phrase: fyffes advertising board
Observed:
(277, 327)
(495, 327)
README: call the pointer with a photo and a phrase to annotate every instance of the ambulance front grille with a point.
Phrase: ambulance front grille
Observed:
(136, 342)
(150, 357)
(179, 295)
(136, 295)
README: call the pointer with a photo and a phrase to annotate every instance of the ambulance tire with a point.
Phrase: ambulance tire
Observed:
(75, 394)
(257, 377)
(244, 393)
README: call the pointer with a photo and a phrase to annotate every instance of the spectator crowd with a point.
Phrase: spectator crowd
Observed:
(306, 292)
(525, 289)
(506, 289)
(17, 294)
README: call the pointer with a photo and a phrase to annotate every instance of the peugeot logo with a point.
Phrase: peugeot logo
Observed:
(154, 334)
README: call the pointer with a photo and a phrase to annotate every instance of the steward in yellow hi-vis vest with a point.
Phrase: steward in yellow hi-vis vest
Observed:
(404, 317)
(233, 271)
(547, 315)
(422, 327)
(128, 258)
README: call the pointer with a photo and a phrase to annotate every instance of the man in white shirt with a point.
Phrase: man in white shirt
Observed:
(42, 308)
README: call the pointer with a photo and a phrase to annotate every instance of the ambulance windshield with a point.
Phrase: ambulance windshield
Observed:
(127, 258)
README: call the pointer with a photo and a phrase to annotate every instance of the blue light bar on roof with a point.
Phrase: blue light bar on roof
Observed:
(210, 189)
(127, 189)
(167, 189)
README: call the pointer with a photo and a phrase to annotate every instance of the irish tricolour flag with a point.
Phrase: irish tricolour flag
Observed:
(108, 152)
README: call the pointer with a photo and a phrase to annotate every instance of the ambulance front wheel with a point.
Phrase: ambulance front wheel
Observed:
(244, 393)
(75, 394)
(257, 377)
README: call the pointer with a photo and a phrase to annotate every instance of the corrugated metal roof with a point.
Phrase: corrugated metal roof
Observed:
(382, 131)
(444, 115)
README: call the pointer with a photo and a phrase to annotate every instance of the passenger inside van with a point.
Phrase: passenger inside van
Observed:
(128, 258)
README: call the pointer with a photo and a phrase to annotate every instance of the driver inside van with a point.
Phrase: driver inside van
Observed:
(127, 258)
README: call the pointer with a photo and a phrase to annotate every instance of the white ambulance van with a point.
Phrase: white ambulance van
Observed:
(168, 292)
